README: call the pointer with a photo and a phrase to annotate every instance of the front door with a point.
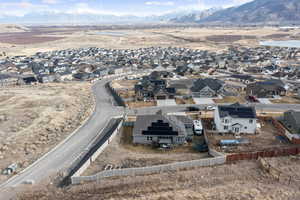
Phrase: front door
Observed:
(236, 130)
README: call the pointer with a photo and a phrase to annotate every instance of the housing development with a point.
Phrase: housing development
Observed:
(198, 105)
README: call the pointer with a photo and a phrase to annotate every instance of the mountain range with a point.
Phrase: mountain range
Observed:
(186, 16)
(258, 12)
(266, 12)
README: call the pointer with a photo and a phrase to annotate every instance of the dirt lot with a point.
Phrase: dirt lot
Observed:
(184, 101)
(140, 104)
(26, 38)
(265, 138)
(122, 153)
(124, 84)
(214, 39)
(286, 100)
(231, 99)
(245, 180)
(36, 118)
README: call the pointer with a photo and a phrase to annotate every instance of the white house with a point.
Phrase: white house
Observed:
(235, 118)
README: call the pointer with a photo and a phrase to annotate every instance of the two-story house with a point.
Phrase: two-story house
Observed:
(236, 119)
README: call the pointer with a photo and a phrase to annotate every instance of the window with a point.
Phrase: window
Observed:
(251, 121)
(226, 121)
(245, 127)
(225, 127)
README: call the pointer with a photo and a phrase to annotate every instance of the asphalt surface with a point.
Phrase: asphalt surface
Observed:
(180, 108)
(63, 155)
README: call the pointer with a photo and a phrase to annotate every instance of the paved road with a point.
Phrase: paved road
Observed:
(179, 108)
(64, 154)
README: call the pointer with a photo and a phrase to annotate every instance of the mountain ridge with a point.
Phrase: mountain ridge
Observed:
(272, 12)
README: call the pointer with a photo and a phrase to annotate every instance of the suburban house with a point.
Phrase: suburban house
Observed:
(266, 89)
(236, 119)
(291, 120)
(153, 89)
(28, 80)
(207, 87)
(44, 78)
(182, 87)
(159, 129)
(247, 79)
(6, 80)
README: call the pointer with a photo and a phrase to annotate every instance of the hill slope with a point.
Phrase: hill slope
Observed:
(194, 16)
(259, 12)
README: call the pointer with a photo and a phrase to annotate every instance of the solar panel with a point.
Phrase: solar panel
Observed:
(163, 128)
(157, 132)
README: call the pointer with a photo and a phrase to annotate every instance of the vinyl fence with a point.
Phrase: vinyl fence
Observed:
(84, 161)
(221, 159)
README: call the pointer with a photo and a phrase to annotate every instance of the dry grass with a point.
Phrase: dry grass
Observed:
(124, 84)
(231, 99)
(194, 38)
(34, 119)
(264, 139)
(286, 100)
(140, 104)
(245, 180)
(184, 101)
(126, 93)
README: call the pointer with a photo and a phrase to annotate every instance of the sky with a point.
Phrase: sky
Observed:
(115, 7)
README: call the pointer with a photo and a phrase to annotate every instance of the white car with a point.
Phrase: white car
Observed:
(210, 108)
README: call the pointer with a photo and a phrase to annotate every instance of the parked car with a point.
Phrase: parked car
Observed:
(252, 99)
(211, 108)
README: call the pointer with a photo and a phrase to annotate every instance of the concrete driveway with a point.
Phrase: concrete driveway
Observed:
(166, 102)
(264, 101)
(204, 101)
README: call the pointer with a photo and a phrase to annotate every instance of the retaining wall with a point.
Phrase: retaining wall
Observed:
(115, 95)
(95, 155)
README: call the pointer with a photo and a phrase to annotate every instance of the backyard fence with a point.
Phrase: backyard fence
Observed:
(221, 159)
(275, 152)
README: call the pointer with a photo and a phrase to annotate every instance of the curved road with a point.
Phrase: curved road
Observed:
(63, 155)
(67, 151)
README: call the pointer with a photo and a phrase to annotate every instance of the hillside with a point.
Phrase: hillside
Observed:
(259, 12)
(194, 16)
(9, 28)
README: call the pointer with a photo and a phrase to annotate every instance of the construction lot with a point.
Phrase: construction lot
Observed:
(245, 180)
(122, 153)
(34, 119)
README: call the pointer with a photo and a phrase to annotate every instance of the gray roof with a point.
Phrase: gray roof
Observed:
(213, 84)
(237, 111)
(144, 121)
(181, 84)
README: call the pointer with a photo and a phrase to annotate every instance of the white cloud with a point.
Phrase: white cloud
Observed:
(50, 1)
(158, 3)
